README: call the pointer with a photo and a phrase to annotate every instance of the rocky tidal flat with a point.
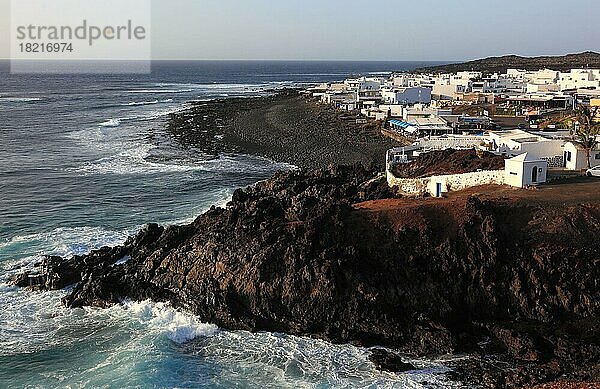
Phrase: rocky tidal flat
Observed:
(284, 127)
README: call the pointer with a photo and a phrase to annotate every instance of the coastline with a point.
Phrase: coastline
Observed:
(316, 254)
(313, 200)
(284, 127)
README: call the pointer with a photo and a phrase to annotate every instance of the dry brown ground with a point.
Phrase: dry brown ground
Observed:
(581, 190)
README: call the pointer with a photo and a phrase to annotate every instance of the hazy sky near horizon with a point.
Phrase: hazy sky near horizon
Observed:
(364, 30)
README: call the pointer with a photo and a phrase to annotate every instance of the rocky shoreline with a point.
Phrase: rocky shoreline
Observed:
(508, 277)
(284, 127)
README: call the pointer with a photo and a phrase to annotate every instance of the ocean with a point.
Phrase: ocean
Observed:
(85, 162)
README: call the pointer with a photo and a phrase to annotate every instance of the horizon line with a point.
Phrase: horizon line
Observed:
(235, 60)
(447, 61)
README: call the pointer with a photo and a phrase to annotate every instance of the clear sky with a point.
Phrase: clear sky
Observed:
(365, 29)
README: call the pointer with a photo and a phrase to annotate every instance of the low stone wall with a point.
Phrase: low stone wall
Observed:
(454, 182)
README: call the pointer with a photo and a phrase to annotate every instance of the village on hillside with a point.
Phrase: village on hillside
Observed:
(543, 123)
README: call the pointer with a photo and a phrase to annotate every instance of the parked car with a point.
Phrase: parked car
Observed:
(593, 172)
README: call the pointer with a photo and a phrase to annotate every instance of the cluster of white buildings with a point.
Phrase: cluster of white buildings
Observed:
(529, 156)
(422, 104)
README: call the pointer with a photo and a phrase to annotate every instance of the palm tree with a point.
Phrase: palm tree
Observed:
(587, 132)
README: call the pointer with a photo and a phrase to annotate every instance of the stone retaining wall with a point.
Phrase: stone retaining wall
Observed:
(454, 182)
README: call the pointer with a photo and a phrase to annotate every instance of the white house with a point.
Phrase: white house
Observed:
(516, 74)
(544, 77)
(517, 142)
(525, 170)
(542, 88)
(575, 157)
(447, 91)
(580, 78)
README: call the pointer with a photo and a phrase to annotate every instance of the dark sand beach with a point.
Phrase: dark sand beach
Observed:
(285, 127)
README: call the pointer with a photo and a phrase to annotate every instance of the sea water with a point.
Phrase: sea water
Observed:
(84, 163)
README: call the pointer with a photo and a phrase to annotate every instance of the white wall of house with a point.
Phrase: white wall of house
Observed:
(517, 74)
(579, 78)
(338, 87)
(544, 149)
(575, 158)
(448, 91)
(544, 77)
(517, 142)
(542, 88)
(524, 170)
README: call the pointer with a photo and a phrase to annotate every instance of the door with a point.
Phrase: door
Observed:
(438, 190)
(534, 174)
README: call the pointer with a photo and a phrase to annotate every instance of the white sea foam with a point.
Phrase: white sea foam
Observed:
(146, 115)
(152, 91)
(159, 113)
(199, 100)
(178, 326)
(26, 250)
(226, 90)
(132, 161)
(245, 163)
(192, 86)
(285, 361)
(111, 123)
(20, 99)
(131, 333)
(135, 103)
(223, 197)
(136, 161)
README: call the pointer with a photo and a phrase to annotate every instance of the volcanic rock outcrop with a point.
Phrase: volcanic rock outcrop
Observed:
(332, 254)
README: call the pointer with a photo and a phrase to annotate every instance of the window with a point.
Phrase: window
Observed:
(597, 156)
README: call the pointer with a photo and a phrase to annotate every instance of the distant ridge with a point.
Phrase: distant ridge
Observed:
(588, 59)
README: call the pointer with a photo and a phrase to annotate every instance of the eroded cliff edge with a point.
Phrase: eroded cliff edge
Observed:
(331, 253)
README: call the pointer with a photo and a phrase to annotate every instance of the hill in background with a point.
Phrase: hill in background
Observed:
(588, 59)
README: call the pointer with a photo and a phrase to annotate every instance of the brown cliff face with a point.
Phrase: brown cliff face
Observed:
(324, 254)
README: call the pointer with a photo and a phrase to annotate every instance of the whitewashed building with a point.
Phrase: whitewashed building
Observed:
(525, 170)
(517, 142)
(580, 78)
(575, 157)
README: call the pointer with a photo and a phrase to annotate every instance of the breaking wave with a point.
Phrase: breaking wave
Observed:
(178, 326)
(111, 123)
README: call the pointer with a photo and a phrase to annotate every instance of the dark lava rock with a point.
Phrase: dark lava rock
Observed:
(389, 361)
(443, 162)
(294, 254)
